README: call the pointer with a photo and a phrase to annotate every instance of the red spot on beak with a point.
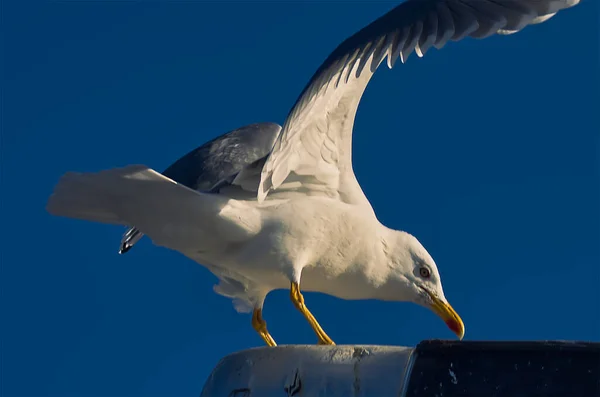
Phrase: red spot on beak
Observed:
(456, 327)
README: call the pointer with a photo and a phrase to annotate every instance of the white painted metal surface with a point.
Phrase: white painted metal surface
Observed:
(310, 370)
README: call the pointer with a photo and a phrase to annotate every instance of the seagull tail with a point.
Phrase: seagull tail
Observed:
(169, 213)
(88, 196)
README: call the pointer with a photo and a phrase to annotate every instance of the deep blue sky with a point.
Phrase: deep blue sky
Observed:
(487, 151)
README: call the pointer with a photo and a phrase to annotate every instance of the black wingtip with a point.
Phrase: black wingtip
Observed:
(131, 236)
(124, 248)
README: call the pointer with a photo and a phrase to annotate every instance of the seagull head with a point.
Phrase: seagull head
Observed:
(415, 268)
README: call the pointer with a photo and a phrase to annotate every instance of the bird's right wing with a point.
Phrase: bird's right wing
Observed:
(215, 162)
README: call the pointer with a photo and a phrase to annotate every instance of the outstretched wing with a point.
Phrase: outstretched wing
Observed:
(313, 152)
(216, 162)
(223, 157)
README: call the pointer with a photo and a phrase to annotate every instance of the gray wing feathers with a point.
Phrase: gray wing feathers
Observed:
(413, 26)
(215, 163)
(224, 156)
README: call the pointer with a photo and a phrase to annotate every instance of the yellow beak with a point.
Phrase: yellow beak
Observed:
(447, 313)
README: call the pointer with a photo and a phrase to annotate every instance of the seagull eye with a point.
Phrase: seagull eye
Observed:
(424, 272)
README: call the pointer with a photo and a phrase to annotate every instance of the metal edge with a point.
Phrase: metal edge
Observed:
(408, 372)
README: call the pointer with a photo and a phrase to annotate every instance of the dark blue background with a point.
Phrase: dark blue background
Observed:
(488, 151)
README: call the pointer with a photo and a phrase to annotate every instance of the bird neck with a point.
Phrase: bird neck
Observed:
(389, 267)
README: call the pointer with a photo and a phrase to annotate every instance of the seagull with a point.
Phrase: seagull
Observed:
(284, 210)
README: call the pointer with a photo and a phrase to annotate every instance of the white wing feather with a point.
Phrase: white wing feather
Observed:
(313, 153)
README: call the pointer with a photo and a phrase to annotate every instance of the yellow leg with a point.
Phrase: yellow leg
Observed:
(260, 326)
(298, 301)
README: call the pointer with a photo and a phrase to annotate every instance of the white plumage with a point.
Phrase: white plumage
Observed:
(297, 215)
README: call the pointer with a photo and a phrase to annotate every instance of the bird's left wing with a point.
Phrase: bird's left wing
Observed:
(313, 151)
